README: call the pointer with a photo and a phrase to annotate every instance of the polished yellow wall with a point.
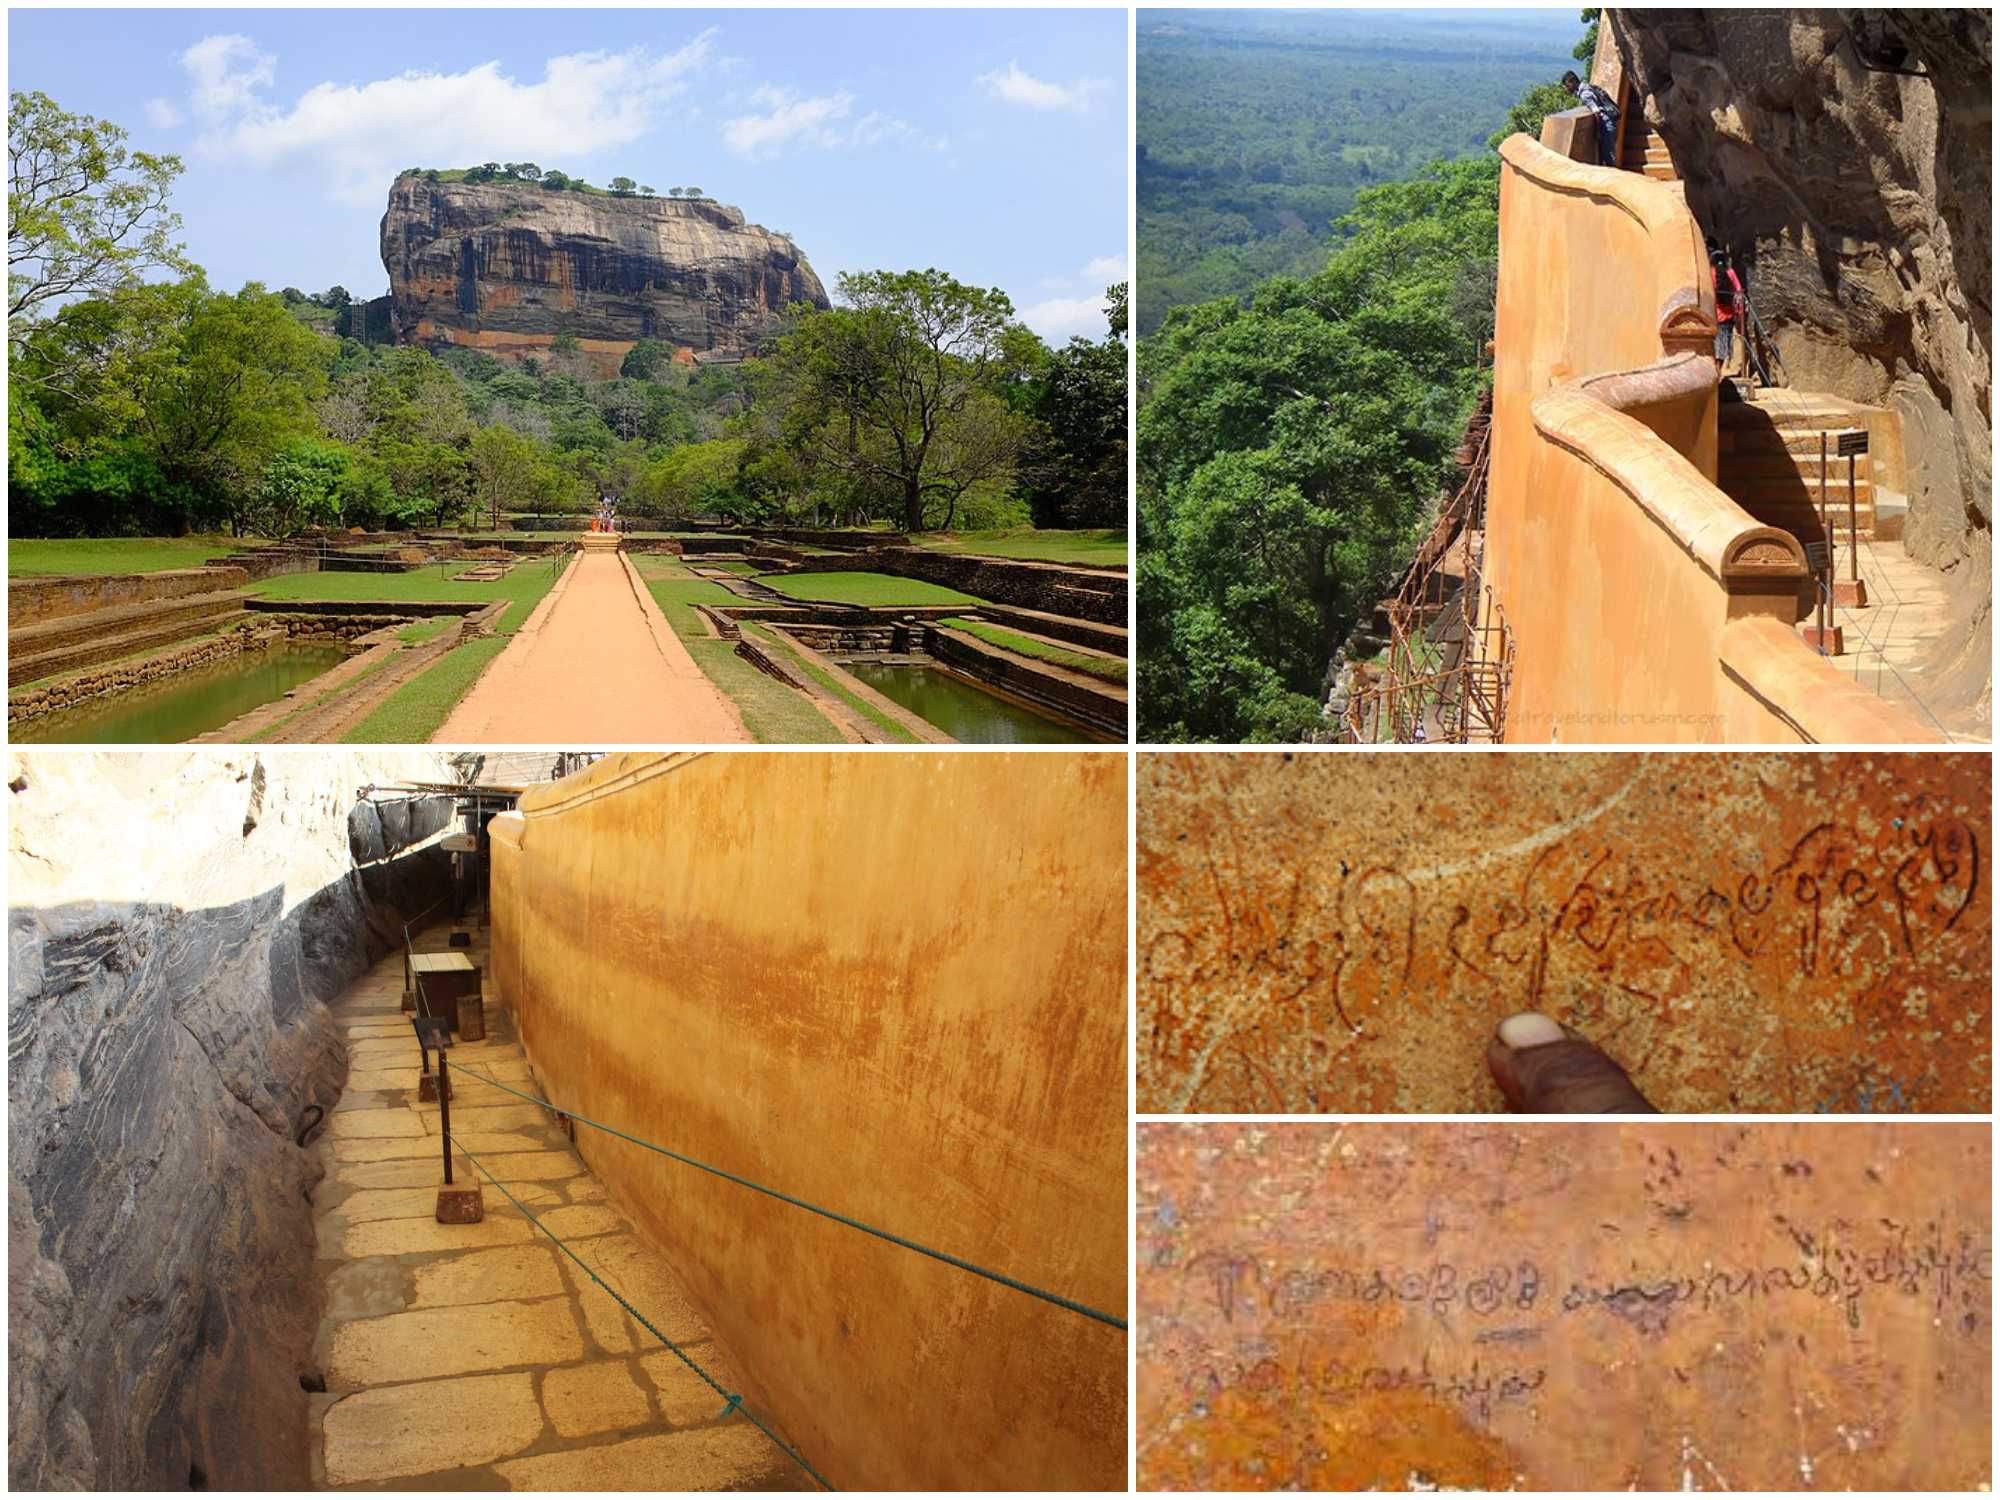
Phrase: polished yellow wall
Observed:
(893, 984)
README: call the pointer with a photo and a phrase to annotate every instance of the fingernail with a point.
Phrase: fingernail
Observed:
(1529, 1029)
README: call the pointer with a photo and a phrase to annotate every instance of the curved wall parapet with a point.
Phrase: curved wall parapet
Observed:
(1625, 573)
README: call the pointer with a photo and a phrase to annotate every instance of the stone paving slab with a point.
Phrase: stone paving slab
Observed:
(478, 1356)
(517, 1272)
(733, 1457)
(585, 1400)
(418, 1429)
(465, 1340)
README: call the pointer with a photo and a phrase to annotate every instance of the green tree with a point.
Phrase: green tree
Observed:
(646, 359)
(898, 387)
(300, 487)
(212, 386)
(1074, 473)
(503, 466)
(85, 216)
(623, 187)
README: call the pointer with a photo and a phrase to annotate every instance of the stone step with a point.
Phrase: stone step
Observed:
(1761, 437)
(1781, 406)
(23, 666)
(1805, 467)
(118, 619)
(1661, 173)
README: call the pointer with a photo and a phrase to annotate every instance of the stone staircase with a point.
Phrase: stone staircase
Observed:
(1768, 462)
(1644, 150)
(74, 642)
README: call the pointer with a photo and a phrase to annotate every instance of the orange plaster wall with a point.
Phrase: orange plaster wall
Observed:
(1618, 600)
(890, 984)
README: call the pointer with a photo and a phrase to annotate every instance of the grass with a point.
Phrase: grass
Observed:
(677, 598)
(773, 713)
(115, 554)
(833, 685)
(424, 630)
(412, 714)
(863, 589)
(1106, 668)
(524, 586)
(740, 569)
(1100, 548)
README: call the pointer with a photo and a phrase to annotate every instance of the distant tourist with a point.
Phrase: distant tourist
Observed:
(1601, 104)
(1728, 302)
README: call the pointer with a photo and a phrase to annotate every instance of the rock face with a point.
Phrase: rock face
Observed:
(1846, 156)
(175, 930)
(506, 266)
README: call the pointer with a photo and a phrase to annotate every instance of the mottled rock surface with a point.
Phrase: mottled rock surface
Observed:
(506, 266)
(1859, 202)
(176, 926)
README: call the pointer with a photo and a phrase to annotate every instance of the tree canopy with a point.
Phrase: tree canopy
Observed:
(1290, 451)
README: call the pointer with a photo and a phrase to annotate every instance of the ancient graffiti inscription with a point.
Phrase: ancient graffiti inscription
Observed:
(1283, 989)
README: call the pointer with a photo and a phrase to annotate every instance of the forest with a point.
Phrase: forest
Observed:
(1292, 445)
(1258, 128)
(144, 401)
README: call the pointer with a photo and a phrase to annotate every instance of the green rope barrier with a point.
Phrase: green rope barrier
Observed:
(731, 1401)
(825, 1213)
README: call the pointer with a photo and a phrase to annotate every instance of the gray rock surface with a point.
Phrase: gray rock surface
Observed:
(176, 925)
(1859, 200)
(506, 266)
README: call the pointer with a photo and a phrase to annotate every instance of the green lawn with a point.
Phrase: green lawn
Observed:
(832, 684)
(116, 554)
(412, 714)
(773, 713)
(880, 589)
(677, 598)
(1107, 668)
(525, 586)
(1100, 548)
(424, 630)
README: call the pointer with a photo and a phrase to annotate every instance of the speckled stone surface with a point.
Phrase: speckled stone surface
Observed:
(1335, 932)
(1542, 1305)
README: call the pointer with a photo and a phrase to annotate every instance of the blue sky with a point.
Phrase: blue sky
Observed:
(991, 144)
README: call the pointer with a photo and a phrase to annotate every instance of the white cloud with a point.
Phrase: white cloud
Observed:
(824, 122)
(1106, 268)
(1059, 319)
(360, 135)
(164, 113)
(1013, 86)
(225, 73)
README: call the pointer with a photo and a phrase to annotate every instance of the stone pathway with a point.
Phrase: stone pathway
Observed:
(1889, 643)
(478, 1356)
(596, 663)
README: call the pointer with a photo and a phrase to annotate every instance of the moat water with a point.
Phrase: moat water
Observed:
(965, 712)
(179, 707)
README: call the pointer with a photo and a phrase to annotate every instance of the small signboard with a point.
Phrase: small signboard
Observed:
(433, 1032)
(1816, 556)
(1852, 444)
(460, 843)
